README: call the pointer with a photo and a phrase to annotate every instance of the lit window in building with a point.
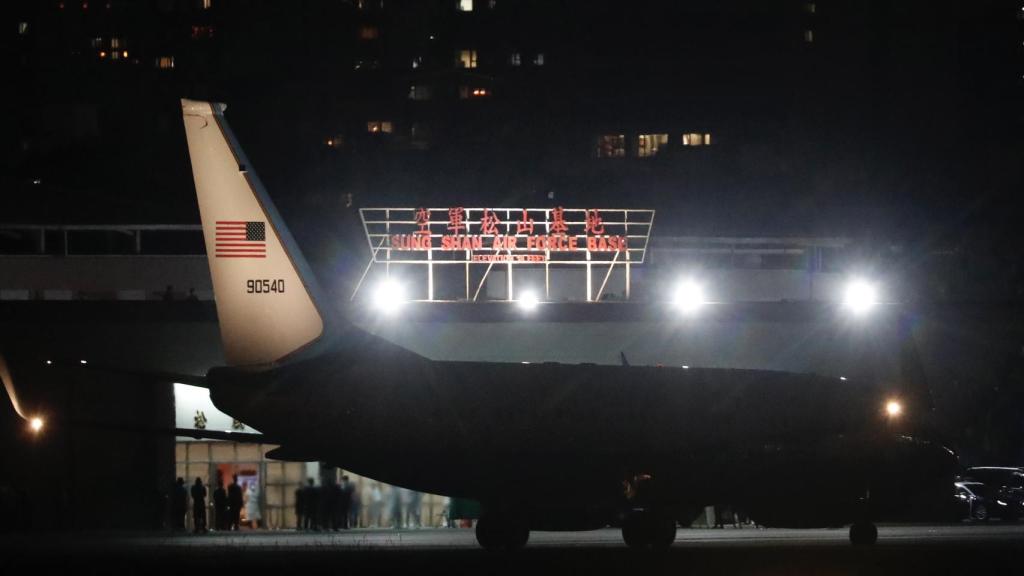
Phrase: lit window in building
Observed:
(96, 42)
(22, 28)
(115, 55)
(207, 4)
(199, 32)
(492, 4)
(538, 60)
(696, 139)
(811, 7)
(337, 141)
(464, 5)
(611, 146)
(165, 62)
(473, 92)
(378, 127)
(648, 144)
(466, 59)
(516, 59)
(369, 32)
(420, 92)
(808, 36)
(115, 43)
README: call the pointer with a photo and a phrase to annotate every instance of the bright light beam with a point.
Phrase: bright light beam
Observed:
(528, 301)
(860, 297)
(389, 297)
(688, 297)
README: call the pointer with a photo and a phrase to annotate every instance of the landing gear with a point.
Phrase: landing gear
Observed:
(645, 529)
(496, 531)
(863, 533)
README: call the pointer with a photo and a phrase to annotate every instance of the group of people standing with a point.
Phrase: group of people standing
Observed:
(227, 505)
(332, 506)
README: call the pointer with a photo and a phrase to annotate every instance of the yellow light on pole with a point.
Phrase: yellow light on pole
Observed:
(36, 424)
(894, 408)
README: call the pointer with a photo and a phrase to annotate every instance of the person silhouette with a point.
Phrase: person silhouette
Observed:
(198, 506)
(221, 521)
(234, 503)
(179, 505)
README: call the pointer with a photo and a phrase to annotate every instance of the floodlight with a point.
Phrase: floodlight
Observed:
(860, 296)
(36, 424)
(389, 296)
(894, 408)
(688, 297)
(528, 301)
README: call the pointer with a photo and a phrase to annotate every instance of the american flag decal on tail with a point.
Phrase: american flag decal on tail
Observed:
(237, 239)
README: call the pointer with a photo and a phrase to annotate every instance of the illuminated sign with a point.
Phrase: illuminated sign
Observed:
(554, 236)
(513, 235)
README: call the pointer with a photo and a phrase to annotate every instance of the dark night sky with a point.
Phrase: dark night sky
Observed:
(899, 122)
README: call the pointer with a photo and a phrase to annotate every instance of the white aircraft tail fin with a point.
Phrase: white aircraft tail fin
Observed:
(267, 298)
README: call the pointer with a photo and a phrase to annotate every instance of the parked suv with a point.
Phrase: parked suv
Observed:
(1004, 487)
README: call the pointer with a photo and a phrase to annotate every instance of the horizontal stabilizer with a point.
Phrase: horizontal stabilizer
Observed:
(245, 437)
(158, 376)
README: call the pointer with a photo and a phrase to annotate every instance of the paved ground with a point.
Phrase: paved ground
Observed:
(959, 549)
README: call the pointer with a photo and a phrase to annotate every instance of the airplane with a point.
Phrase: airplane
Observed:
(541, 446)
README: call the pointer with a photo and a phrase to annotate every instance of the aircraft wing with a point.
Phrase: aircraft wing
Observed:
(163, 377)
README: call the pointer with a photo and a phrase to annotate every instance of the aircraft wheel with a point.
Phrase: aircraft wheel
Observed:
(663, 532)
(634, 532)
(644, 529)
(500, 532)
(863, 534)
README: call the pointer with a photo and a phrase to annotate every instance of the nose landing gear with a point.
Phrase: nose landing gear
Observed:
(863, 533)
(646, 529)
(502, 531)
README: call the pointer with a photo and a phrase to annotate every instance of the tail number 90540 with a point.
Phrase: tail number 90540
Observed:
(264, 286)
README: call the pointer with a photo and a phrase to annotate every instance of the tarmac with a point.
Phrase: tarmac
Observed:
(903, 549)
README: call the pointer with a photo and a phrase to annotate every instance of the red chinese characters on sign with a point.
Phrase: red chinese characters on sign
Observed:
(593, 222)
(525, 224)
(489, 223)
(502, 245)
(457, 220)
(558, 225)
(423, 221)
